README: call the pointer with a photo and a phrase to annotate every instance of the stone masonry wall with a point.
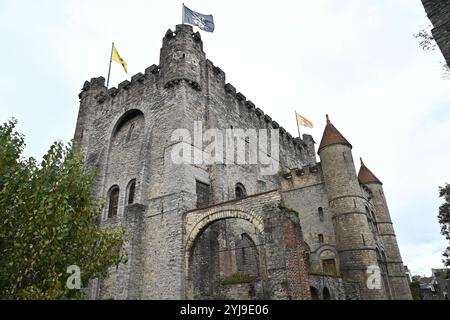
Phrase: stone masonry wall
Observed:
(128, 133)
(283, 271)
(438, 12)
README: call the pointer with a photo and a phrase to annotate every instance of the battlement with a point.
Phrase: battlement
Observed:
(293, 143)
(151, 74)
(98, 88)
(181, 62)
(218, 73)
(182, 57)
(183, 33)
(302, 177)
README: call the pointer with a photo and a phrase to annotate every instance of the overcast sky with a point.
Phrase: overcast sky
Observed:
(356, 60)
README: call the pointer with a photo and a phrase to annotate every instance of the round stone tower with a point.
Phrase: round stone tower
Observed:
(182, 57)
(396, 273)
(354, 239)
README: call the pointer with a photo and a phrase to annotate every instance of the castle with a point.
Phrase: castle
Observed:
(282, 227)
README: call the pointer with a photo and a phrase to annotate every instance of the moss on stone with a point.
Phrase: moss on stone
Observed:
(238, 278)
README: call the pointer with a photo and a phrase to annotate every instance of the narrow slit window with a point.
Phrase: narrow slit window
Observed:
(320, 213)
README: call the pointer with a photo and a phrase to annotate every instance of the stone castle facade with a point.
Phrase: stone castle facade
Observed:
(309, 230)
(438, 11)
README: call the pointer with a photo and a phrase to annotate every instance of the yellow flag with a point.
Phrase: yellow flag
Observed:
(303, 121)
(116, 57)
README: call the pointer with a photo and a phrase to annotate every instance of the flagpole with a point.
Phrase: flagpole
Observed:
(182, 14)
(296, 120)
(109, 69)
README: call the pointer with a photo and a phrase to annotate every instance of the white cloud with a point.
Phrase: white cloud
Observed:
(424, 257)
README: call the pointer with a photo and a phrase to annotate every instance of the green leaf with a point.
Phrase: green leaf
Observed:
(49, 221)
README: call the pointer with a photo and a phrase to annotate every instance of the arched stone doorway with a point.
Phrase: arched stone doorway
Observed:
(225, 257)
(227, 261)
(249, 249)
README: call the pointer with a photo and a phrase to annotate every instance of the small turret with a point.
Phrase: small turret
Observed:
(182, 57)
(395, 270)
(366, 176)
(332, 136)
(354, 238)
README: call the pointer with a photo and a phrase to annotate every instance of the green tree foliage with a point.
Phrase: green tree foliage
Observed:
(49, 220)
(415, 288)
(444, 219)
(238, 277)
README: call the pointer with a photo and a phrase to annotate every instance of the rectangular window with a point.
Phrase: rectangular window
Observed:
(329, 266)
(320, 238)
(203, 193)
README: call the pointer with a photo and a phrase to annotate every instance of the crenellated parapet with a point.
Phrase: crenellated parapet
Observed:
(97, 89)
(296, 145)
(182, 57)
(218, 75)
(302, 177)
(183, 62)
(95, 85)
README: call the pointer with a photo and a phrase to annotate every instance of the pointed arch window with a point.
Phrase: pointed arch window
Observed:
(246, 255)
(131, 191)
(113, 201)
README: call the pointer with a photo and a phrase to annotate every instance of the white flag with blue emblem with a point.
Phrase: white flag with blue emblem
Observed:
(203, 21)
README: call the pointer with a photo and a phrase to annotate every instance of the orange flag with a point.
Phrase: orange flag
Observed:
(303, 121)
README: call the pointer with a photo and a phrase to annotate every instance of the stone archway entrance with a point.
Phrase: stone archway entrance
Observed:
(225, 257)
(227, 261)
(250, 248)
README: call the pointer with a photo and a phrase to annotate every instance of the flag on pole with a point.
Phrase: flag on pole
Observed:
(116, 57)
(203, 21)
(303, 121)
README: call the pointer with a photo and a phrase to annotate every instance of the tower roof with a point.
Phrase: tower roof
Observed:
(366, 176)
(331, 135)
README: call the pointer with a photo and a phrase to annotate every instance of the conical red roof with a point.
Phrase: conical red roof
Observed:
(366, 176)
(331, 135)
